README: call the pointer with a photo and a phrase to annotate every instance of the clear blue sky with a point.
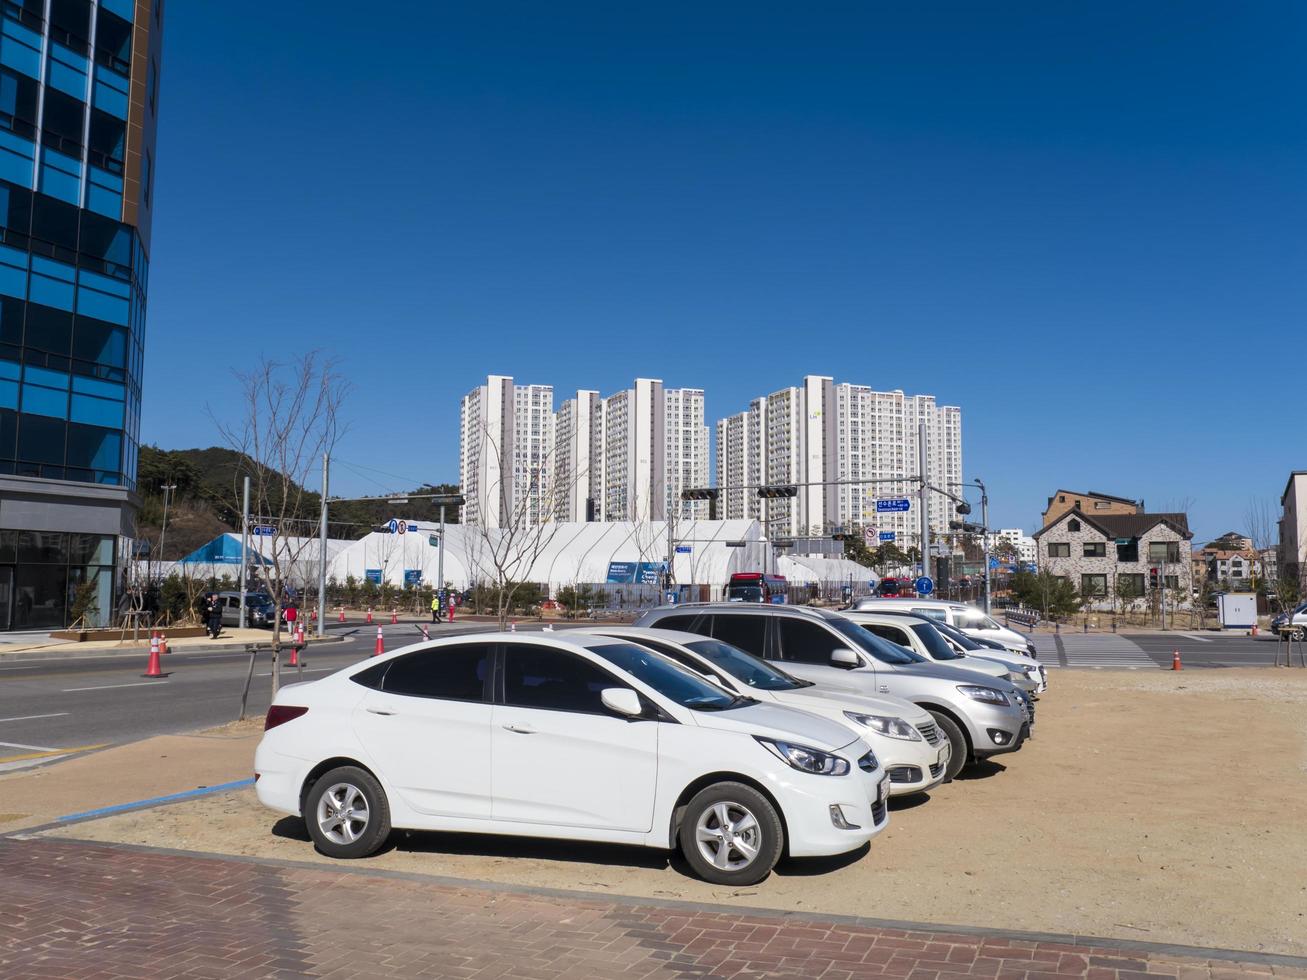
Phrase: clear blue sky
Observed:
(1083, 223)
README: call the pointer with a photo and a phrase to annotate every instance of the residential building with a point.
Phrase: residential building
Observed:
(578, 440)
(845, 446)
(1026, 547)
(1232, 541)
(1292, 557)
(653, 446)
(1100, 504)
(1232, 569)
(80, 86)
(506, 453)
(1106, 556)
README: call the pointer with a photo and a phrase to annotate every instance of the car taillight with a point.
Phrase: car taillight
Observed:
(279, 714)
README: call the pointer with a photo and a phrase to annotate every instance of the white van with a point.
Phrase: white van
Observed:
(969, 619)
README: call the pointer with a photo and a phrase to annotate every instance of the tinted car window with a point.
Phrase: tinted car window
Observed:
(540, 677)
(746, 668)
(453, 673)
(681, 623)
(871, 644)
(672, 681)
(807, 643)
(933, 641)
(745, 632)
(891, 633)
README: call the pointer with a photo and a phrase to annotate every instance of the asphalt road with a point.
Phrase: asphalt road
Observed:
(1148, 650)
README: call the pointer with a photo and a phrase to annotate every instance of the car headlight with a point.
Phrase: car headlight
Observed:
(886, 725)
(804, 759)
(987, 694)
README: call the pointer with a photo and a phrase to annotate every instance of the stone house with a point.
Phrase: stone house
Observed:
(1104, 556)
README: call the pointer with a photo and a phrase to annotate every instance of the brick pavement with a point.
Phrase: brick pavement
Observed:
(72, 909)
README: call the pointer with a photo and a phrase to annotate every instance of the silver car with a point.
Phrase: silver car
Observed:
(981, 716)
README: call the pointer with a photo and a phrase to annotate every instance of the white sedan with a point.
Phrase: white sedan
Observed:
(903, 736)
(568, 736)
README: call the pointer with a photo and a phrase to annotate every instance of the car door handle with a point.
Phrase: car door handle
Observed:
(519, 729)
(380, 711)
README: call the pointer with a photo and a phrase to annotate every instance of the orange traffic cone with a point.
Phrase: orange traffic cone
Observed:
(426, 633)
(394, 617)
(449, 607)
(313, 615)
(369, 615)
(512, 627)
(342, 614)
(163, 643)
(1175, 661)
(153, 669)
(1254, 629)
(381, 644)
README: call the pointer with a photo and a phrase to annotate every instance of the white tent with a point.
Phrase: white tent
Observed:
(830, 575)
(612, 554)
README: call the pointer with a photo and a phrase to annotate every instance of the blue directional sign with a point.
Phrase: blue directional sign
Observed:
(893, 505)
(263, 530)
(924, 585)
(393, 525)
(993, 563)
(683, 549)
(888, 535)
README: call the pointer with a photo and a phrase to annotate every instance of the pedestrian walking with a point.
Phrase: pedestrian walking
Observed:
(213, 612)
(435, 607)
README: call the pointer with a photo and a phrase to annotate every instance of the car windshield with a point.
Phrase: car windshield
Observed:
(669, 679)
(871, 644)
(748, 593)
(745, 667)
(936, 644)
(960, 638)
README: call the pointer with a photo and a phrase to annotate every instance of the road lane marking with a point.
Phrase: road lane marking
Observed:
(104, 811)
(1200, 639)
(57, 714)
(30, 748)
(7, 761)
(107, 687)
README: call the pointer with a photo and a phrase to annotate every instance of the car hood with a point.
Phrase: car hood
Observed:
(955, 674)
(780, 722)
(976, 665)
(827, 698)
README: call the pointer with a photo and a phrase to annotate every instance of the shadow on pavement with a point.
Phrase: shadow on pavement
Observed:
(808, 867)
(983, 769)
(898, 803)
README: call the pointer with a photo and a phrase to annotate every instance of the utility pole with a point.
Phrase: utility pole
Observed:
(925, 498)
(167, 489)
(440, 556)
(322, 550)
(984, 523)
(245, 543)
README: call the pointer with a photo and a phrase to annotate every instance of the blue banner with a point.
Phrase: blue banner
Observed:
(372, 575)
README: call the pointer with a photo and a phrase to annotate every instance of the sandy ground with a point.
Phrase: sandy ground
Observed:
(1161, 807)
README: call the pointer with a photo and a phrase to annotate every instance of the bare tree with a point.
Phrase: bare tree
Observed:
(289, 418)
(1263, 527)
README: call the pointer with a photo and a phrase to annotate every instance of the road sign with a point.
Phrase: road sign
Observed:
(263, 530)
(683, 549)
(393, 526)
(433, 540)
(893, 505)
(403, 527)
(924, 585)
(888, 535)
(993, 563)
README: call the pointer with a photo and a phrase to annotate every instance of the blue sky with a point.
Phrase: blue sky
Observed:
(1081, 223)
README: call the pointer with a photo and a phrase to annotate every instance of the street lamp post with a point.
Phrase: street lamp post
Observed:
(167, 489)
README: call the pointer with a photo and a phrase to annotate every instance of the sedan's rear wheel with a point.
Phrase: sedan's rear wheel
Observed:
(346, 813)
(959, 751)
(731, 835)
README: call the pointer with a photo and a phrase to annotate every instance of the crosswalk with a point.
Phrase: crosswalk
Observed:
(1079, 650)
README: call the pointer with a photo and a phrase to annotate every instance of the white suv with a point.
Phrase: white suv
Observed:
(904, 737)
(969, 619)
(569, 736)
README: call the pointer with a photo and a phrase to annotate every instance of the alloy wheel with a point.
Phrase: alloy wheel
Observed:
(343, 813)
(728, 836)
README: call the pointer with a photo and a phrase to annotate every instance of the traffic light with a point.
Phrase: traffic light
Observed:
(963, 508)
(778, 490)
(1153, 578)
(700, 493)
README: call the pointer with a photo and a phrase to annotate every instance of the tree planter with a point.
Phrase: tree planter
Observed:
(105, 635)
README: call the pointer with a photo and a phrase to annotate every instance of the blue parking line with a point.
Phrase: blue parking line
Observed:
(105, 811)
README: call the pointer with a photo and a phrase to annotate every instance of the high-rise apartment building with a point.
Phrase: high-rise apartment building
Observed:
(79, 94)
(578, 443)
(825, 437)
(686, 451)
(506, 453)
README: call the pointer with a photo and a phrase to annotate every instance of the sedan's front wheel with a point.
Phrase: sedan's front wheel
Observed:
(959, 751)
(346, 813)
(731, 835)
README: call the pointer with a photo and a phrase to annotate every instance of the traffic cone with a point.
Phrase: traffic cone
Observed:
(313, 616)
(394, 617)
(426, 633)
(1254, 629)
(369, 615)
(381, 644)
(163, 643)
(512, 627)
(342, 614)
(1175, 661)
(153, 669)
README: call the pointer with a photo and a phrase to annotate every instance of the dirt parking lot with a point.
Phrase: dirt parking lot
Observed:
(1151, 806)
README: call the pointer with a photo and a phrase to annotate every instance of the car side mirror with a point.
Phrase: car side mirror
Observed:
(844, 658)
(622, 701)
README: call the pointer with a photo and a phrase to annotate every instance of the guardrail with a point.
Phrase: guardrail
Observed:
(1026, 618)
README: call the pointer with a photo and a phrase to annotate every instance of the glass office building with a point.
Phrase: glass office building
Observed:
(79, 89)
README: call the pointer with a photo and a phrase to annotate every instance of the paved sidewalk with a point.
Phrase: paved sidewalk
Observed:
(77, 910)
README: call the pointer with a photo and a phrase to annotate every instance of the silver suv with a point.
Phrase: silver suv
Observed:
(982, 716)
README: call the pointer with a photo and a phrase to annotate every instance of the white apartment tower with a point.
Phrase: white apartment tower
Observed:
(685, 447)
(822, 432)
(578, 444)
(506, 450)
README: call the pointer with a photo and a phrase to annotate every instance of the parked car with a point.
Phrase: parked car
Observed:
(980, 717)
(991, 649)
(904, 737)
(260, 610)
(924, 636)
(969, 619)
(570, 736)
(1294, 623)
